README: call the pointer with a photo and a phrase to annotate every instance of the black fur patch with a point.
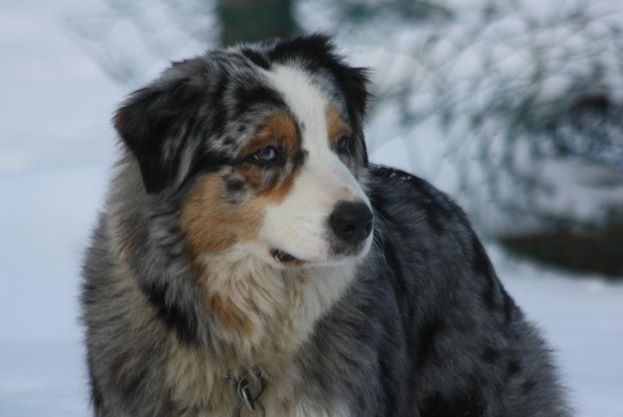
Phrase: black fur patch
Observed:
(389, 380)
(150, 123)
(218, 112)
(490, 355)
(528, 386)
(247, 97)
(235, 189)
(300, 157)
(427, 336)
(235, 186)
(229, 141)
(514, 367)
(256, 57)
(464, 404)
(208, 162)
(173, 316)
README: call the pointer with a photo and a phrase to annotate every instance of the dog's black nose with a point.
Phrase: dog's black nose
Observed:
(351, 221)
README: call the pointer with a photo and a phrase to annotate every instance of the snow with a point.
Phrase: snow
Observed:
(581, 318)
(56, 147)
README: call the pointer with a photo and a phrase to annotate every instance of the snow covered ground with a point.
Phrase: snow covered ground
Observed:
(55, 149)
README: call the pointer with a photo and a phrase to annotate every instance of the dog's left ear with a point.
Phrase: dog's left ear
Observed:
(153, 122)
(354, 83)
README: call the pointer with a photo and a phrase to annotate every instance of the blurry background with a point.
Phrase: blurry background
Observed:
(513, 107)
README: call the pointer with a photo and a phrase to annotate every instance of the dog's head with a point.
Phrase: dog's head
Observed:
(263, 146)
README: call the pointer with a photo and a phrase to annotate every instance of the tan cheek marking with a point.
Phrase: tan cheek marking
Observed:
(211, 224)
(336, 126)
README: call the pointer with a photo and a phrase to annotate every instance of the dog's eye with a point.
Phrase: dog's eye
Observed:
(343, 144)
(266, 156)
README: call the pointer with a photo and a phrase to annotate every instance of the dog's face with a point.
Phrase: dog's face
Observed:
(263, 147)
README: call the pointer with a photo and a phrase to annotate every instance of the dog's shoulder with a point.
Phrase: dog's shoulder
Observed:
(409, 203)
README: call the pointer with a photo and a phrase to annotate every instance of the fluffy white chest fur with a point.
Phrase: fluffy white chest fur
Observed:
(280, 309)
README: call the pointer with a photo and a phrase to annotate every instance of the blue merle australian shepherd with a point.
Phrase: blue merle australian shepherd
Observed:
(251, 262)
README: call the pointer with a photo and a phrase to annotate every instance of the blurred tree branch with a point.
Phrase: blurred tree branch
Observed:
(507, 86)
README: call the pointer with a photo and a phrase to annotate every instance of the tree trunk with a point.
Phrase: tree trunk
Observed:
(595, 251)
(255, 20)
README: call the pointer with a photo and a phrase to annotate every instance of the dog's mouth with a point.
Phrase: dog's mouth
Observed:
(285, 258)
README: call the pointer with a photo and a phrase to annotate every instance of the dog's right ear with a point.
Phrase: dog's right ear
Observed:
(153, 122)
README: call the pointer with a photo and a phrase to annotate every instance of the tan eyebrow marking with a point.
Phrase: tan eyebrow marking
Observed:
(277, 129)
(336, 126)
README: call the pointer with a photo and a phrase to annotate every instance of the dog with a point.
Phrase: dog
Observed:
(250, 261)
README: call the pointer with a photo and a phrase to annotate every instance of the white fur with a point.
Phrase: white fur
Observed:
(298, 225)
(284, 306)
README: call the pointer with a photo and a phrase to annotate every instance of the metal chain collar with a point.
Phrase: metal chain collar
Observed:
(249, 388)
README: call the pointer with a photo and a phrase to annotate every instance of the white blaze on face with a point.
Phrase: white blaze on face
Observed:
(298, 225)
